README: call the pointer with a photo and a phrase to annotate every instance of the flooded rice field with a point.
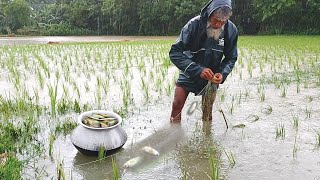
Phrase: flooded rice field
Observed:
(265, 118)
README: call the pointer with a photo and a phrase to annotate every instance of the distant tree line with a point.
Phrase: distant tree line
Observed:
(151, 17)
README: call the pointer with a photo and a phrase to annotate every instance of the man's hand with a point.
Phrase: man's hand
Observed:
(217, 78)
(207, 74)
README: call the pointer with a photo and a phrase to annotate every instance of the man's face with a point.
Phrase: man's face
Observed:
(215, 27)
(215, 22)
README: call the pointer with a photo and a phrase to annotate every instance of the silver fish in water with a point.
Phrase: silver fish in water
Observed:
(150, 150)
(132, 162)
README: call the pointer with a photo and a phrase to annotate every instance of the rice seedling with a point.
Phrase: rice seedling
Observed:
(51, 140)
(71, 175)
(11, 169)
(36, 95)
(63, 106)
(42, 64)
(115, 169)
(76, 107)
(53, 92)
(15, 75)
(261, 66)
(250, 66)
(261, 92)
(295, 121)
(318, 139)
(295, 146)
(232, 105)
(247, 91)
(214, 165)
(185, 177)
(308, 111)
(230, 157)
(76, 89)
(102, 152)
(65, 127)
(25, 62)
(223, 95)
(298, 87)
(105, 86)
(126, 93)
(65, 91)
(60, 171)
(239, 98)
(283, 90)
(145, 89)
(280, 131)
(98, 95)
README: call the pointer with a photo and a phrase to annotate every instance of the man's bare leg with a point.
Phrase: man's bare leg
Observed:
(207, 104)
(180, 96)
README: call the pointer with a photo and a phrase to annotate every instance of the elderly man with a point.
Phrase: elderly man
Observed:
(205, 53)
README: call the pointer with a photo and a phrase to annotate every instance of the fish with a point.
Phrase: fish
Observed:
(132, 162)
(96, 123)
(92, 123)
(150, 150)
(97, 116)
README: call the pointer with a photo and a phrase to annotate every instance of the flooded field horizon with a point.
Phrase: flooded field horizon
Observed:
(27, 40)
(270, 102)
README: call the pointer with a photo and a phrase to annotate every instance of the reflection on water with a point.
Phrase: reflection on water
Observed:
(193, 154)
(179, 154)
(164, 141)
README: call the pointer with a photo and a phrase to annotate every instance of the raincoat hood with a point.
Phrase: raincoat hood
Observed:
(212, 5)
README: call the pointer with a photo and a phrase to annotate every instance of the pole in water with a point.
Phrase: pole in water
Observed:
(224, 117)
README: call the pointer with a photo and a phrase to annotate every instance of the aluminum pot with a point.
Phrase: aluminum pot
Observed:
(88, 140)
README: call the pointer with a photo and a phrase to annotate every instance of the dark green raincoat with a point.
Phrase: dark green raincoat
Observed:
(193, 50)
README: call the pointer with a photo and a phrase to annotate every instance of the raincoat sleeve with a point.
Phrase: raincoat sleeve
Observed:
(230, 54)
(180, 59)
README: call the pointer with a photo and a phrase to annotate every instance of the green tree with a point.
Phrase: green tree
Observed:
(16, 14)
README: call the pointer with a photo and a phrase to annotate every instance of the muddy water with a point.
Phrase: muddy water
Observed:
(184, 148)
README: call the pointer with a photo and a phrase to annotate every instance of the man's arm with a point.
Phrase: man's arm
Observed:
(181, 60)
(230, 53)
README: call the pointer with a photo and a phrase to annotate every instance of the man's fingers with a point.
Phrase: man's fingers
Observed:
(217, 79)
(218, 76)
(207, 74)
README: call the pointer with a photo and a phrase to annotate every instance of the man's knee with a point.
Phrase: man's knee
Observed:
(178, 104)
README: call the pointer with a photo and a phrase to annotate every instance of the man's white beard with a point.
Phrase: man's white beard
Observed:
(214, 33)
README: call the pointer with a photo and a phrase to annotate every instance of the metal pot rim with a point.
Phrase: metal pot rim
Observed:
(111, 113)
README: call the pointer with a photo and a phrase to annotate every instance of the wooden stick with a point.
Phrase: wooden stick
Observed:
(224, 117)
